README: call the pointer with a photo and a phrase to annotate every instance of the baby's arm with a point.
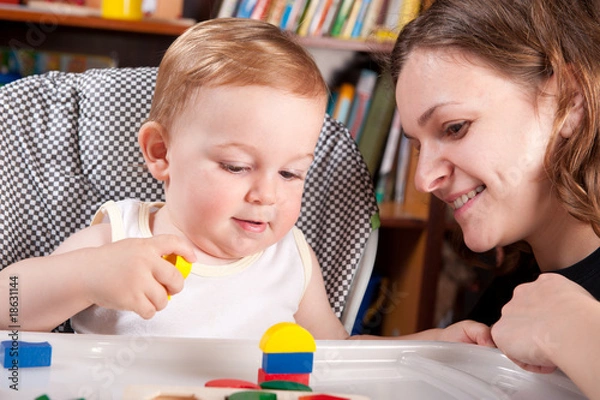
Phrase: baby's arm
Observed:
(87, 269)
(315, 313)
(463, 331)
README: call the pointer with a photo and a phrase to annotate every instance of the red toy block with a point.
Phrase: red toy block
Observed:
(300, 378)
(232, 383)
(321, 397)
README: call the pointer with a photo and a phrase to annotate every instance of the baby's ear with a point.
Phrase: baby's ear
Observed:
(574, 117)
(152, 139)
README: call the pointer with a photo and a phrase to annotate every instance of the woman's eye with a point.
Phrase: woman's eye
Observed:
(234, 169)
(457, 130)
(415, 145)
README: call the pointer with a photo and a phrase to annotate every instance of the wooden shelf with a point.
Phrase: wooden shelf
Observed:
(51, 18)
(349, 45)
(163, 27)
(393, 215)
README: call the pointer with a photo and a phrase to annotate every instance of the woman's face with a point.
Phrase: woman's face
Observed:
(481, 140)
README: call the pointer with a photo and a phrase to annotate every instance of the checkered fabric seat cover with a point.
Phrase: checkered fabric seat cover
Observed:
(68, 144)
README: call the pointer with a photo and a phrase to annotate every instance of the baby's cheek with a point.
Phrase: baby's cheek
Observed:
(288, 214)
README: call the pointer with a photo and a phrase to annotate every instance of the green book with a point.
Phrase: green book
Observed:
(341, 17)
(377, 123)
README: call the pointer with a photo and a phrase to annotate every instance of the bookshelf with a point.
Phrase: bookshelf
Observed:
(410, 256)
(409, 252)
(131, 43)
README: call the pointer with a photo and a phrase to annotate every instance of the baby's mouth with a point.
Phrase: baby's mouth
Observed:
(249, 221)
(462, 200)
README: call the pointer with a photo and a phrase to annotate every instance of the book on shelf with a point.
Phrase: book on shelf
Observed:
(261, 10)
(360, 19)
(402, 165)
(344, 103)
(245, 8)
(392, 13)
(361, 102)
(342, 16)
(397, 14)
(351, 21)
(332, 101)
(291, 13)
(311, 9)
(316, 25)
(275, 12)
(15, 64)
(330, 17)
(384, 187)
(372, 18)
(408, 11)
(378, 122)
(228, 8)
(344, 19)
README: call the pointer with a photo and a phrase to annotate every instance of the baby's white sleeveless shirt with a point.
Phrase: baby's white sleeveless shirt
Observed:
(238, 300)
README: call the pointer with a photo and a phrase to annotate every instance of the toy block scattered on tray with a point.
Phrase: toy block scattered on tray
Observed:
(300, 378)
(287, 363)
(20, 354)
(231, 383)
(287, 337)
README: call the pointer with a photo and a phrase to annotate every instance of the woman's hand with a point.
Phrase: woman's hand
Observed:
(535, 323)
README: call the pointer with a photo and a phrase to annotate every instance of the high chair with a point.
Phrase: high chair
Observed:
(68, 143)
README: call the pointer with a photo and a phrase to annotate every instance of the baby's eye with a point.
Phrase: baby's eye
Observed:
(458, 129)
(288, 176)
(234, 169)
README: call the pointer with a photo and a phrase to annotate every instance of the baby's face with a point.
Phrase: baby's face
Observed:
(238, 157)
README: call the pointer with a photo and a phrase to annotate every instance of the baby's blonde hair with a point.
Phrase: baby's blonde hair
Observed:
(232, 52)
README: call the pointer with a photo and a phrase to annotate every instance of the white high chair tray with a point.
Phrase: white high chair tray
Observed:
(106, 367)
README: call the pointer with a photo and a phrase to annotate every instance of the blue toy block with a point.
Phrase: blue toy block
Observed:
(287, 363)
(19, 354)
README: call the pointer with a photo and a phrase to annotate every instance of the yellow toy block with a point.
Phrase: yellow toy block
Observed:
(287, 337)
(184, 266)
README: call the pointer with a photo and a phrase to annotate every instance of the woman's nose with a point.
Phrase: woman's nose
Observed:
(432, 171)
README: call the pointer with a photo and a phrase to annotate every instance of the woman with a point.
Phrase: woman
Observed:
(502, 99)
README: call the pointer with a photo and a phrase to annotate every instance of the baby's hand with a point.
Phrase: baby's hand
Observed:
(468, 332)
(132, 274)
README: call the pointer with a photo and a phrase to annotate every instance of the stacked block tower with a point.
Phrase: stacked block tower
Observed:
(288, 354)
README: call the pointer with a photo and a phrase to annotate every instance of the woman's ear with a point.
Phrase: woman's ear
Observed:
(152, 139)
(573, 118)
